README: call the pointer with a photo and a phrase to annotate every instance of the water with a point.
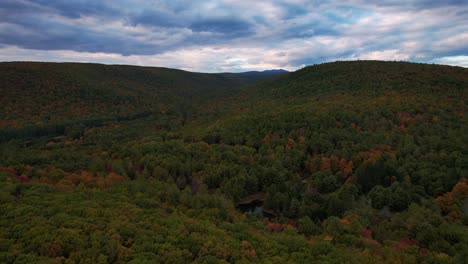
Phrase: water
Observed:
(254, 208)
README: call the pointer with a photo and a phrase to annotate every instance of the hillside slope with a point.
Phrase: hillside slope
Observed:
(35, 93)
(366, 76)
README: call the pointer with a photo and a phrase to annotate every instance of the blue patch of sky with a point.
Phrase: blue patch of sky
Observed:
(292, 11)
(347, 14)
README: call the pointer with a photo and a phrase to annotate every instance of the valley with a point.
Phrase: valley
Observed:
(348, 162)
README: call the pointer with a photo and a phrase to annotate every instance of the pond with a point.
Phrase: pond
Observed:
(254, 208)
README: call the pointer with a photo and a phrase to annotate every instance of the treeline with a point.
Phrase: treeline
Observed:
(74, 129)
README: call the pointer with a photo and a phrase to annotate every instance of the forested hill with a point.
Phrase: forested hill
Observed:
(366, 76)
(37, 93)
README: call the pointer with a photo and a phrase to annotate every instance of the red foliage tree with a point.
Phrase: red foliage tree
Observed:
(325, 164)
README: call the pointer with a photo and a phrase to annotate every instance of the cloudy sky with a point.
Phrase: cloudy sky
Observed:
(233, 35)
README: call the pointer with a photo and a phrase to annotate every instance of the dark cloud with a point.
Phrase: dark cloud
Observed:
(411, 4)
(33, 27)
(77, 40)
(77, 8)
(157, 18)
(42, 34)
(19, 10)
(16, 6)
(225, 26)
(310, 30)
(292, 11)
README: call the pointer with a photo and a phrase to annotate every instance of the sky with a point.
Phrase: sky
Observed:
(233, 35)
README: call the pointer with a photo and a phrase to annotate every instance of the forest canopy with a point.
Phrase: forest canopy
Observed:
(353, 162)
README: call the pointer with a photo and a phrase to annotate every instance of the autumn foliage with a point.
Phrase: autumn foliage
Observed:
(459, 193)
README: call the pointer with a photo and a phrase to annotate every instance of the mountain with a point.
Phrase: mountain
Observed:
(266, 72)
(35, 93)
(343, 162)
(355, 76)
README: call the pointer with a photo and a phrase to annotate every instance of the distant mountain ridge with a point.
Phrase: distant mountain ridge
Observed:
(57, 92)
(267, 72)
(40, 93)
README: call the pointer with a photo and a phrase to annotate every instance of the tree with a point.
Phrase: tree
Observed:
(335, 206)
(307, 226)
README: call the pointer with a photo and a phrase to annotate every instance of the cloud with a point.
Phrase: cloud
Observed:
(233, 35)
(75, 8)
(225, 26)
(156, 18)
